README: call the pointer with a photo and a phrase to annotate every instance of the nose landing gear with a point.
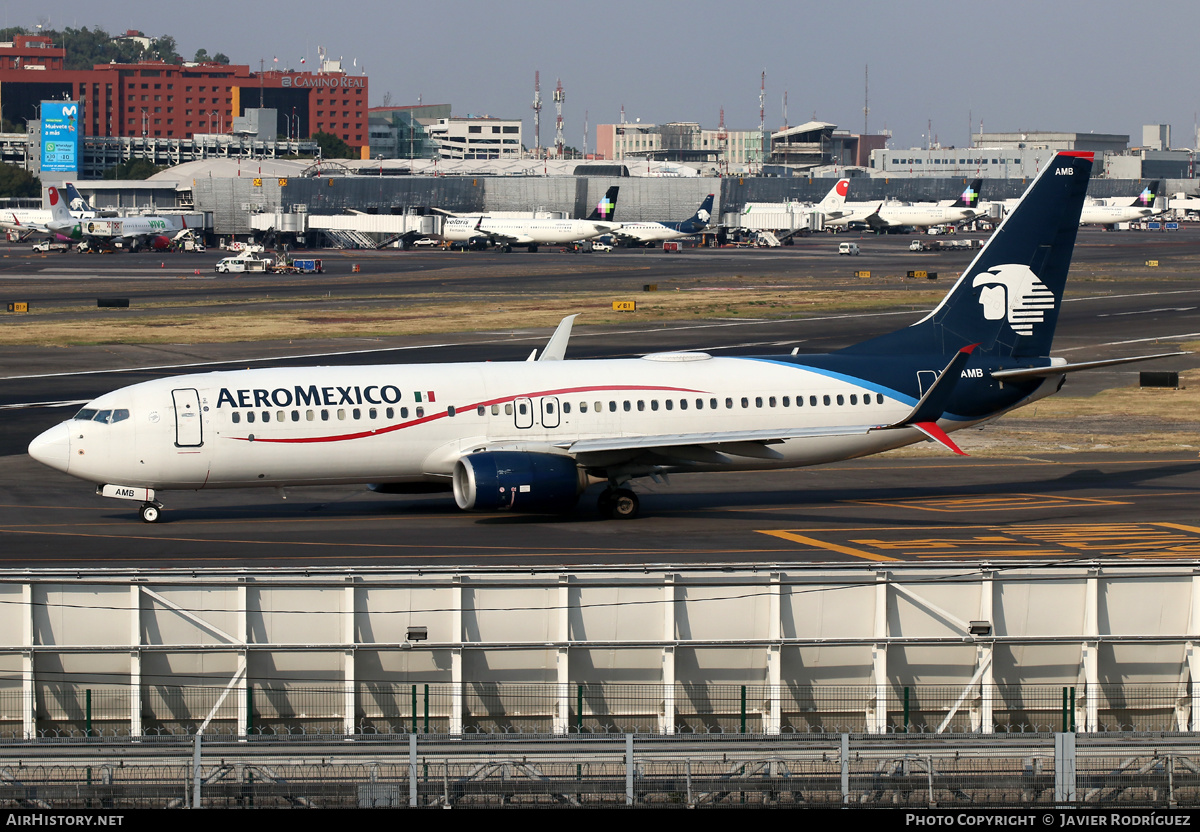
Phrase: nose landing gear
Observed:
(149, 512)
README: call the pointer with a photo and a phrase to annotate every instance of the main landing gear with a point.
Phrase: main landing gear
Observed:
(149, 512)
(618, 503)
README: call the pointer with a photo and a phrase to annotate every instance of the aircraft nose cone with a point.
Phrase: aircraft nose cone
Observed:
(53, 448)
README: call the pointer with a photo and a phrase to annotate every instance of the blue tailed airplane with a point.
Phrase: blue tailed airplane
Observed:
(533, 435)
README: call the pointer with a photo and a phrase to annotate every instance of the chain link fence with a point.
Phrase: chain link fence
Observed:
(1109, 771)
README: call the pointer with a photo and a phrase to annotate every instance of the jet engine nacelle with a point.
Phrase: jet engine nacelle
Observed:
(160, 243)
(517, 481)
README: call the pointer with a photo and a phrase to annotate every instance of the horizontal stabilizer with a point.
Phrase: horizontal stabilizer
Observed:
(1039, 372)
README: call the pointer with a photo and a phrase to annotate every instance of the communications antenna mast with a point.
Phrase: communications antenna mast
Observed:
(762, 121)
(866, 95)
(723, 142)
(537, 114)
(559, 143)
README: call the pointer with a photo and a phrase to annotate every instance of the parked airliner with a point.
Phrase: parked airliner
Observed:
(507, 232)
(648, 233)
(532, 436)
(1137, 208)
(30, 221)
(156, 232)
(881, 216)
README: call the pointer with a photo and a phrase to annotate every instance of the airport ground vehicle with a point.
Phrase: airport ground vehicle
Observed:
(848, 248)
(240, 264)
(300, 266)
(44, 246)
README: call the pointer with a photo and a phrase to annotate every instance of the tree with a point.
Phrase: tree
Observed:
(220, 58)
(332, 147)
(201, 56)
(15, 182)
(133, 169)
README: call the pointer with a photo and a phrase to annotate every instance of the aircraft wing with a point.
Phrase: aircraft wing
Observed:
(706, 447)
(875, 221)
(9, 222)
(496, 237)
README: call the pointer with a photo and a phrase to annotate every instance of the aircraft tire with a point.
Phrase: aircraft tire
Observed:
(149, 513)
(625, 505)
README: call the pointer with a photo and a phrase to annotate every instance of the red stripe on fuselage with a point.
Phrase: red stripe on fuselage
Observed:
(442, 414)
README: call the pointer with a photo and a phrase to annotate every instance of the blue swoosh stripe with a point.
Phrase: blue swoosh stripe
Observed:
(870, 385)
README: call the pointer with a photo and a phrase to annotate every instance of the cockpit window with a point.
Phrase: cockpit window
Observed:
(105, 416)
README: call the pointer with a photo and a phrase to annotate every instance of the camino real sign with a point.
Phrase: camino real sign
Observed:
(60, 136)
(323, 81)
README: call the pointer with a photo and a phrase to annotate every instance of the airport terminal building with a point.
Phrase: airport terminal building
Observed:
(156, 100)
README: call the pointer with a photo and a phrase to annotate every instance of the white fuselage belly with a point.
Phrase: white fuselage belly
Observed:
(319, 440)
(1109, 214)
(464, 229)
(649, 232)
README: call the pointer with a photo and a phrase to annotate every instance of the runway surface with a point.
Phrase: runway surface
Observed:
(1066, 506)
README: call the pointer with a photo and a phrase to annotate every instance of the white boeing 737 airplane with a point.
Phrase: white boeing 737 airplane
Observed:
(507, 232)
(882, 215)
(531, 436)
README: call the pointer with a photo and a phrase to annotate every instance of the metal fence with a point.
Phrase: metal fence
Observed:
(1109, 771)
(437, 708)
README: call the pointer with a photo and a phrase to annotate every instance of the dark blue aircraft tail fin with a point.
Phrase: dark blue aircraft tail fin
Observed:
(75, 200)
(699, 220)
(606, 207)
(1007, 301)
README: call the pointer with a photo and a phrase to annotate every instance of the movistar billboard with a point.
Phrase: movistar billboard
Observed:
(60, 136)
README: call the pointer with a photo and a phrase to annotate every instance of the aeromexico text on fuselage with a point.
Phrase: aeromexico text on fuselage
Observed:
(319, 396)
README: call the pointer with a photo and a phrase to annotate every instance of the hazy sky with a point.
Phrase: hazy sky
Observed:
(1101, 66)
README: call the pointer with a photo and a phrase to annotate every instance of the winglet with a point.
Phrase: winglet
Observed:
(931, 406)
(938, 435)
(556, 348)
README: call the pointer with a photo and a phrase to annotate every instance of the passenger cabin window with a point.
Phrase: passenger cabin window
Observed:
(235, 417)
